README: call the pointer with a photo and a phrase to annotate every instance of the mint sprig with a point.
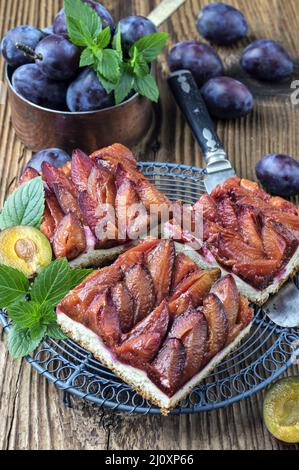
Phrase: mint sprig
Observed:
(35, 318)
(25, 206)
(116, 73)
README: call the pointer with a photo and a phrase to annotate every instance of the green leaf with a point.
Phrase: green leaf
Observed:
(109, 66)
(47, 313)
(141, 68)
(104, 38)
(52, 283)
(81, 18)
(150, 45)
(37, 332)
(147, 87)
(78, 276)
(54, 331)
(20, 342)
(108, 86)
(124, 85)
(25, 206)
(87, 58)
(13, 286)
(25, 314)
(116, 43)
(77, 33)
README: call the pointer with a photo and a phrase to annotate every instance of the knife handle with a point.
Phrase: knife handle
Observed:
(192, 105)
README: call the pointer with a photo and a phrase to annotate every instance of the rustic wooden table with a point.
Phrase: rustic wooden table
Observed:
(32, 413)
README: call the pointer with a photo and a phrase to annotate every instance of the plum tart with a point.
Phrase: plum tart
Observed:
(157, 319)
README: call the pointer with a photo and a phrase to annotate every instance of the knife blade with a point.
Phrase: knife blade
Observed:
(192, 105)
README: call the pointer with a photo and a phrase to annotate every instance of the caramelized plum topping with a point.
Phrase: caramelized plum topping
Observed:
(140, 285)
(81, 166)
(217, 324)
(160, 263)
(169, 365)
(183, 266)
(249, 228)
(147, 335)
(124, 304)
(69, 238)
(28, 174)
(227, 291)
(102, 318)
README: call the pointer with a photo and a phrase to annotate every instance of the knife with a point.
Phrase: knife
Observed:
(282, 309)
(192, 105)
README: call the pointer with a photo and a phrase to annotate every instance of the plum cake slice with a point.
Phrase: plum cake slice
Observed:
(157, 319)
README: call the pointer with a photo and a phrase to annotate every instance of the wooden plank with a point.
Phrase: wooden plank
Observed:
(32, 412)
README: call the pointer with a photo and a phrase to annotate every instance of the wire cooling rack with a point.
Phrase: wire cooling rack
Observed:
(260, 358)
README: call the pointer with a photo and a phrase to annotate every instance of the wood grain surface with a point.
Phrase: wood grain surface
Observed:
(32, 412)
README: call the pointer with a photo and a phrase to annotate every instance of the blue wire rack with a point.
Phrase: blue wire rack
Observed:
(259, 359)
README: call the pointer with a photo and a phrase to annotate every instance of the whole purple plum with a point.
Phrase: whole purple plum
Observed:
(202, 60)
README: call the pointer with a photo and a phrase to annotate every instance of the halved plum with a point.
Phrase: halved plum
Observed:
(280, 410)
(183, 266)
(81, 167)
(169, 364)
(160, 262)
(144, 341)
(192, 329)
(140, 285)
(218, 326)
(227, 291)
(102, 318)
(249, 228)
(69, 238)
(124, 304)
(274, 244)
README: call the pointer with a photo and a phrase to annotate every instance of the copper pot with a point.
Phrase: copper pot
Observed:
(40, 128)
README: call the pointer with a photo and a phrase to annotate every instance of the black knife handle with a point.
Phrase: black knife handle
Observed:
(192, 105)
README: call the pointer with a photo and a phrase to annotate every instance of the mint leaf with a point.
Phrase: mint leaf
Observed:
(104, 38)
(78, 34)
(109, 66)
(78, 275)
(54, 331)
(13, 286)
(87, 58)
(141, 68)
(25, 314)
(83, 22)
(52, 283)
(47, 313)
(150, 45)
(147, 86)
(20, 342)
(108, 86)
(124, 85)
(38, 331)
(25, 206)
(116, 43)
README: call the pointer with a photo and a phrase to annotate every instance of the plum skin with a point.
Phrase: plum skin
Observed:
(32, 85)
(86, 93)
(60, 58)
(57, 157)
(202, 60)
(227, 98)
(24, 34)
(265, 59)
(221, 23)
(133, 28)
(60, 26)
(279, 174)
